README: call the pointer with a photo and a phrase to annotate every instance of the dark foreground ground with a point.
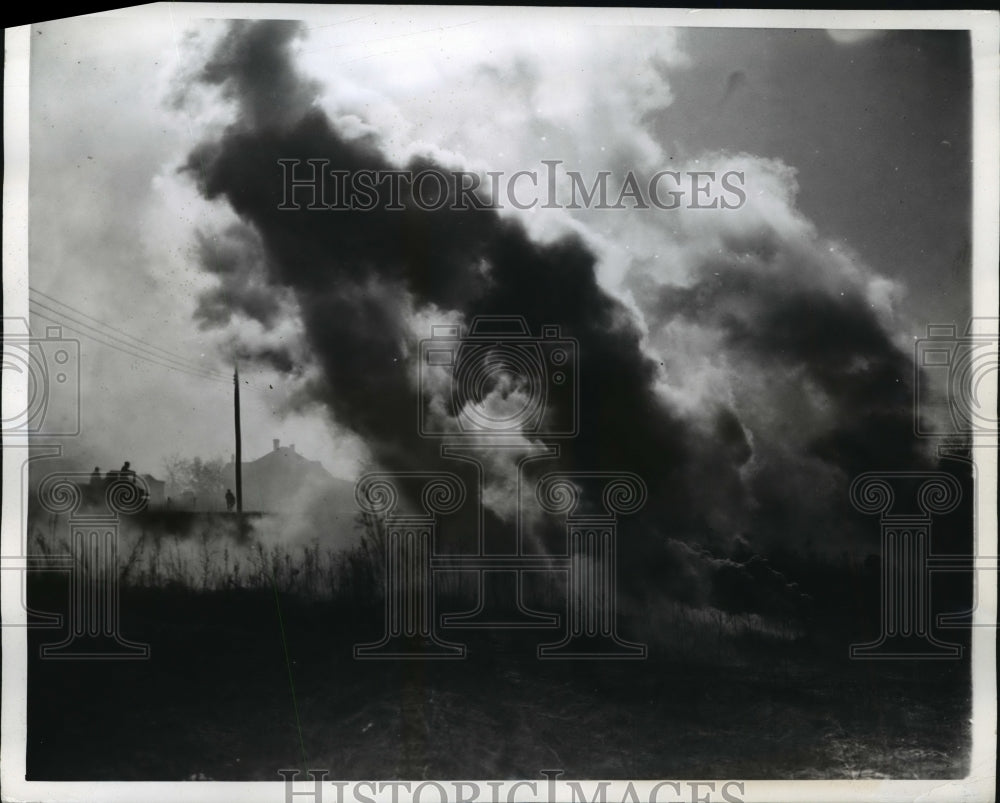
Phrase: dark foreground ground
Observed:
(215, 701)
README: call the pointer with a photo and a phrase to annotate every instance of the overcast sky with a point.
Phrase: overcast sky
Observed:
(855, 150)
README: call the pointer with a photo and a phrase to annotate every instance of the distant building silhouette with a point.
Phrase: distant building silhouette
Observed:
(276, 481)
(157, 490)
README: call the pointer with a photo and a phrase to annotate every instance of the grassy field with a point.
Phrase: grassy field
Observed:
(232, 691)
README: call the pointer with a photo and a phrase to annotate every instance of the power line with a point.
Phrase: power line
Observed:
(133, 350)
(113, 328)
(132, 339)
(177, 362)
(147, 358)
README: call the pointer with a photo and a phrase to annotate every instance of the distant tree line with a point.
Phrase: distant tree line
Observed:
(202, 479)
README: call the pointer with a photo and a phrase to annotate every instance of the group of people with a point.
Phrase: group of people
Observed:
(98, 485)
(124, 473)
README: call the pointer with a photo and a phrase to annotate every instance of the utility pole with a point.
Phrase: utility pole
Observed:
(239, 444)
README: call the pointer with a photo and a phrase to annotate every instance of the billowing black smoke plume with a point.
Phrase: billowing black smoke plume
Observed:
(357, 274)
(358, 277)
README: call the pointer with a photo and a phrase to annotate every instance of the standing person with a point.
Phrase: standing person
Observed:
(230, 500)
(127, 473)
(94, 489)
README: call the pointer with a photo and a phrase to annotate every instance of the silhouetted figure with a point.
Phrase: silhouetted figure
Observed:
(230, 500)
(94, 489)
(127, 473)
